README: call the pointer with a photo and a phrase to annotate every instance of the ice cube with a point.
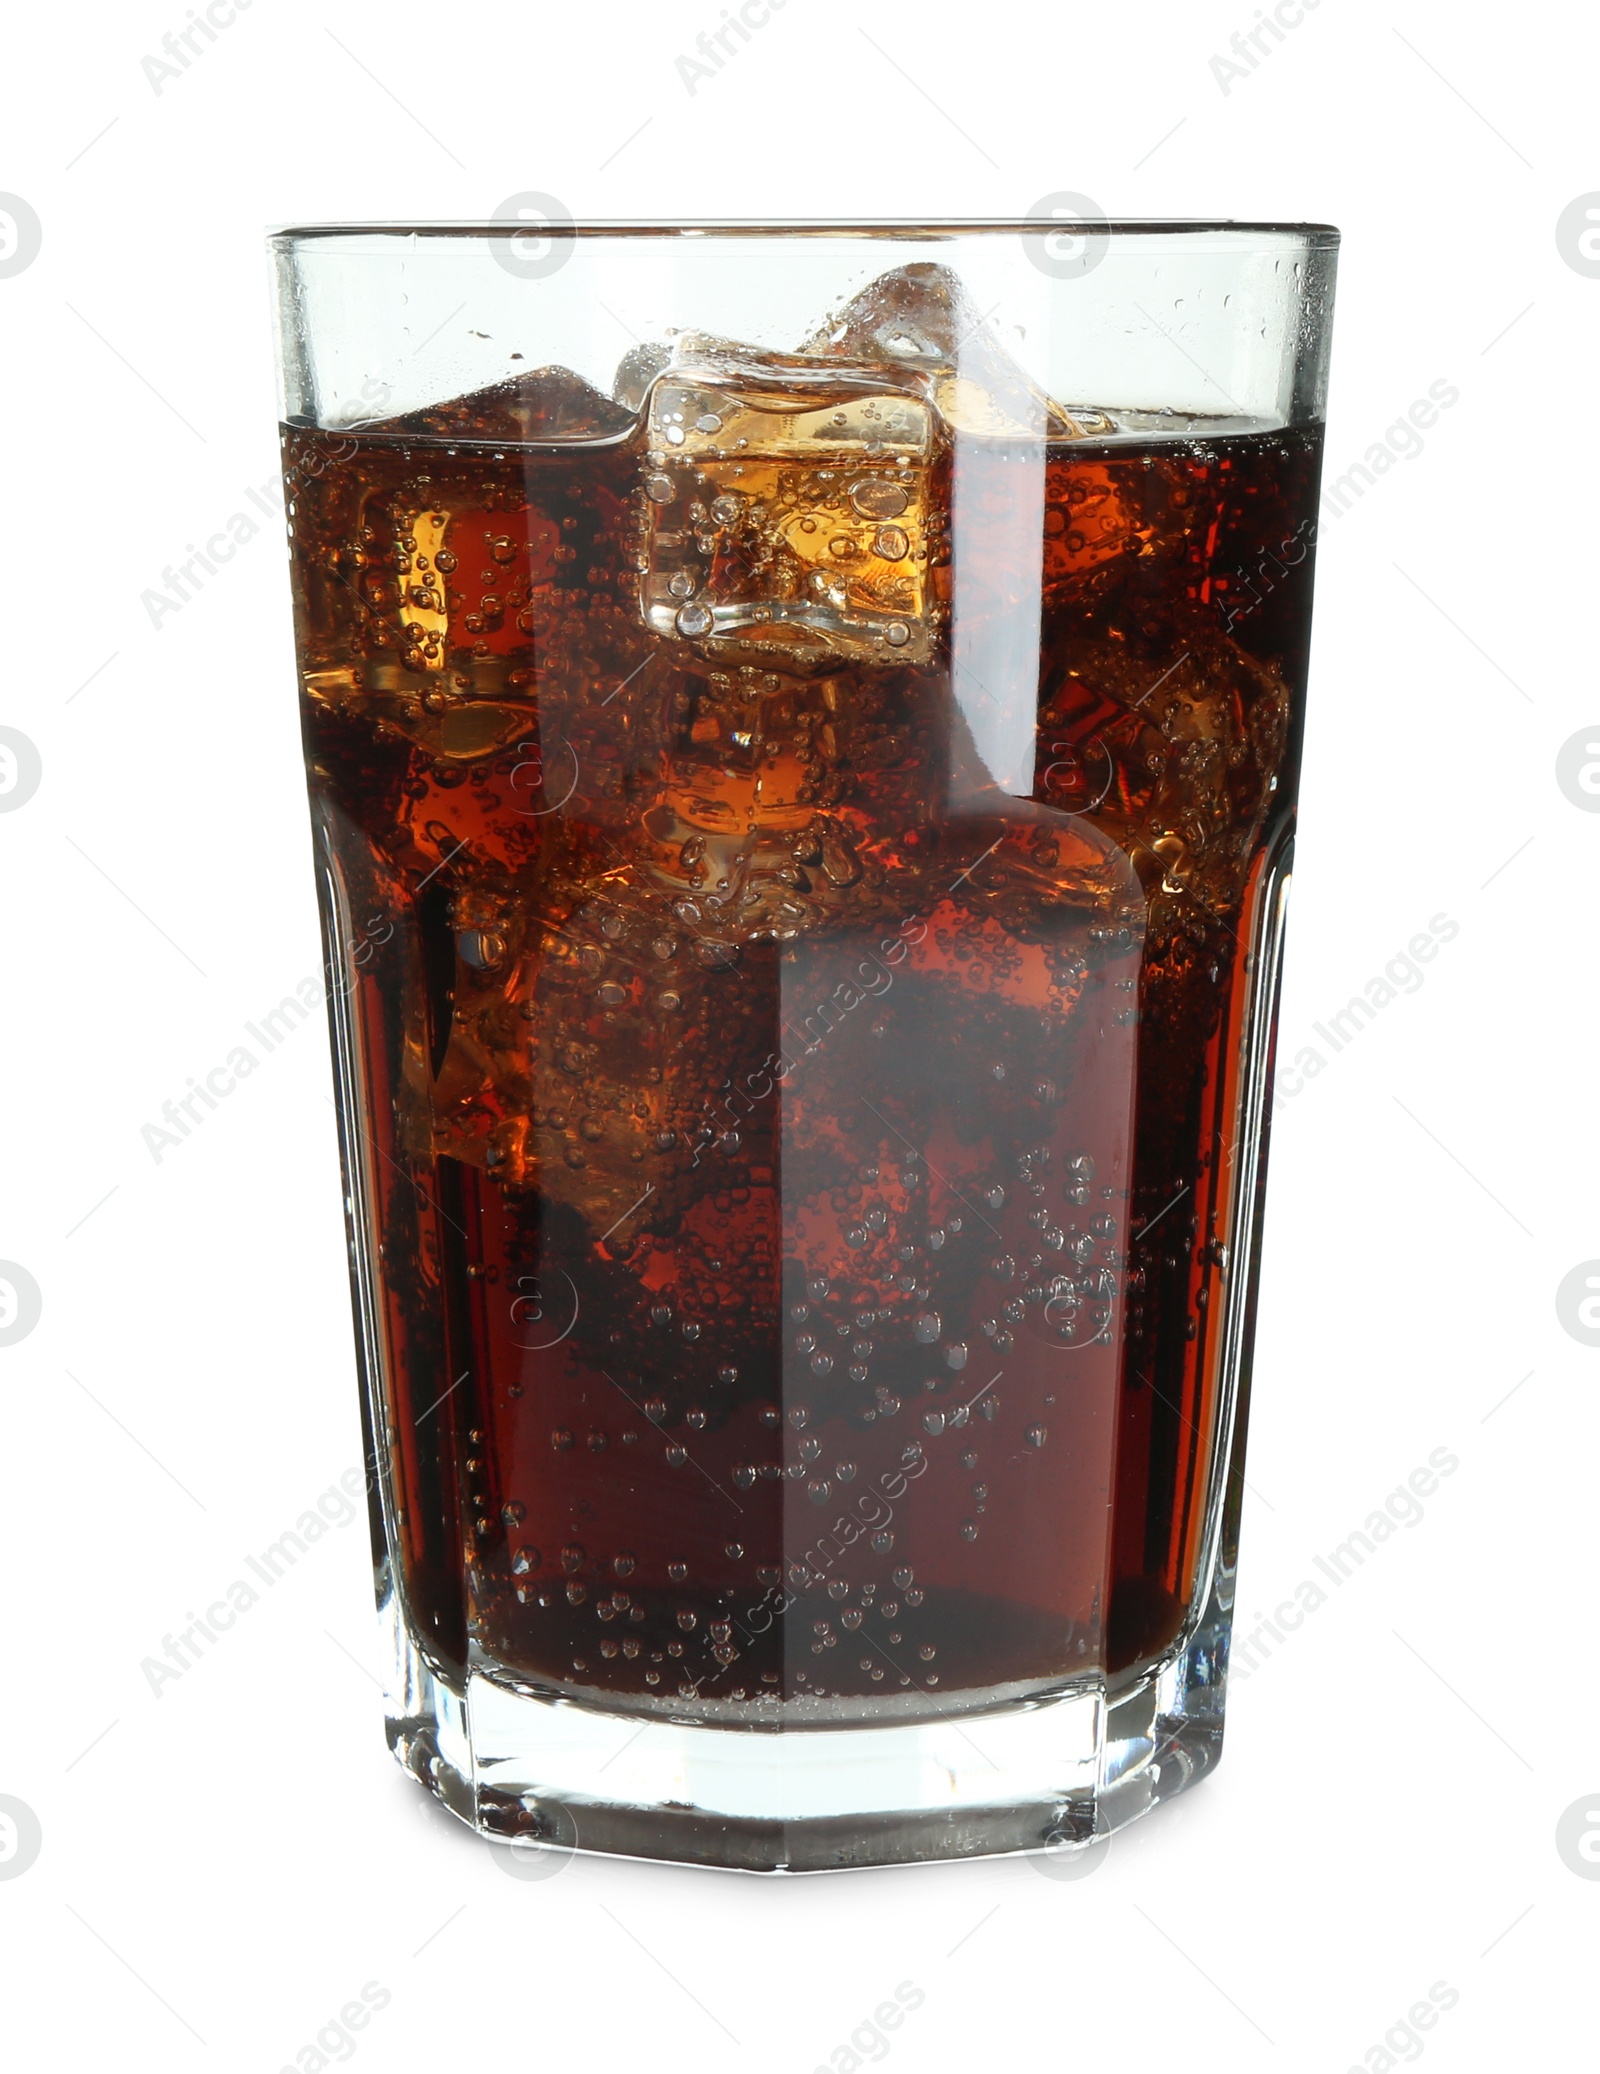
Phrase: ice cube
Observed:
(636, 370)
(997, 423)
(915, 316)
(1171, 738)
(796, 504)
(921, 317)
(791, 515)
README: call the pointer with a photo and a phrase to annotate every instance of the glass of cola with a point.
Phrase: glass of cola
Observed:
(802, 727)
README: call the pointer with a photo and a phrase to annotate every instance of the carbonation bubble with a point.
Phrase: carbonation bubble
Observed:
(876, 499)
(891, 544)
(897, 634)
(928, 1327)
(659, 489)
(693, 620)
(1037, 1435)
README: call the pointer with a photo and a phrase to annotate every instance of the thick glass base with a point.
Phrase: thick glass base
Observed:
(1045, 1773)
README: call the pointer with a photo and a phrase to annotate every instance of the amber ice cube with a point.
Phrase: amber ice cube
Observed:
(790, 509)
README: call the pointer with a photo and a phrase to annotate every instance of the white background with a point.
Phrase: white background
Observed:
(225, 1866)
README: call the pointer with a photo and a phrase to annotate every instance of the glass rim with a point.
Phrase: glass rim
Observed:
(1313, 236)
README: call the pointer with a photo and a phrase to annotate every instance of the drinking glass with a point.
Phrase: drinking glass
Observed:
(802, 725)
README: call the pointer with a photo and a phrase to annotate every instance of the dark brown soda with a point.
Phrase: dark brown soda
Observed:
(797, 1177)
